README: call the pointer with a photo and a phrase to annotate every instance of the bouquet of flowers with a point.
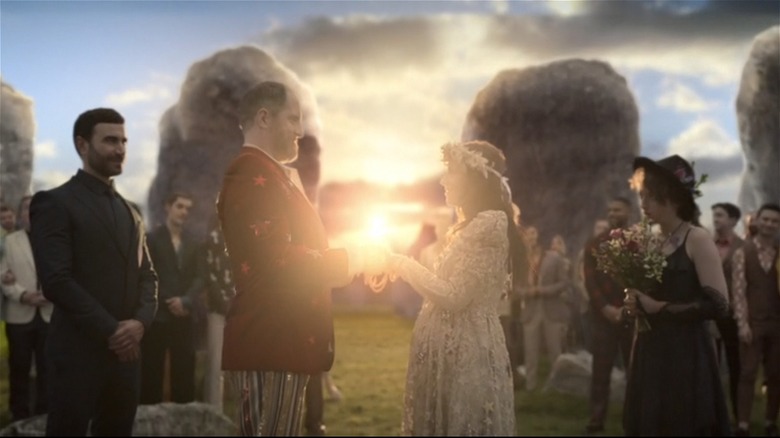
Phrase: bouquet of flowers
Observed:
(633, 258)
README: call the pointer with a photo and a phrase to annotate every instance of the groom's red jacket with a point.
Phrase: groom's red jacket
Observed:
(280, 318)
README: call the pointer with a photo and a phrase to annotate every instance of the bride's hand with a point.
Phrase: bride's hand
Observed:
(394, 262)
(375, 260)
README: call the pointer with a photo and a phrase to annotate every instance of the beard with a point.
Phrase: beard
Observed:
(105, 166)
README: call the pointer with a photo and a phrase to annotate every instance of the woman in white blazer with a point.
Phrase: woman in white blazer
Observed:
(27, 314)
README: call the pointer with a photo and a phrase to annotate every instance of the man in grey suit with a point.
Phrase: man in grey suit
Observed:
(91, 256)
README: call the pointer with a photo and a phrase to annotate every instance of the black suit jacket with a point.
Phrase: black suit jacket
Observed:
(178, 276)
(93, 279)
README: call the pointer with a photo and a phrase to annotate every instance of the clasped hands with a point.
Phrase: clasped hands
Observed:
(372, 260)
(126, 340)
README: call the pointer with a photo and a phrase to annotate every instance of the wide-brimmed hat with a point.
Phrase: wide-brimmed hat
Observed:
(674, 167)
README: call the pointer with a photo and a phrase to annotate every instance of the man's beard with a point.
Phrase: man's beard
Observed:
(100, 164)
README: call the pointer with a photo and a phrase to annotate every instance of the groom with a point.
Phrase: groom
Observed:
(279, 328)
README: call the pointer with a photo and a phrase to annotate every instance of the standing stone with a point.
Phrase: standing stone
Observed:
(758, 116)
(569, 130)
(17, 133)
(200, 135)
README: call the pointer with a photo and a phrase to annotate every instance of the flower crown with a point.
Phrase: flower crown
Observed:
(458, 153)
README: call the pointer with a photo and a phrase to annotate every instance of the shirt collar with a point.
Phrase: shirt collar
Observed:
(724, 241)
(284, 168)
(96, 184)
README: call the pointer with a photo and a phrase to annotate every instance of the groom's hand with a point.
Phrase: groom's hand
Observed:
(355, 261)
(375, 260)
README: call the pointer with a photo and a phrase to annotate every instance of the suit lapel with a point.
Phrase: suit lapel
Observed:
(27, 251)
(301, 209)
(138, 232)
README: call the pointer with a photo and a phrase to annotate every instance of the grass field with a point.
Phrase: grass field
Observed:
(370, 368)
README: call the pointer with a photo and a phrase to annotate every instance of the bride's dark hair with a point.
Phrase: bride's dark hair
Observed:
(483, 194)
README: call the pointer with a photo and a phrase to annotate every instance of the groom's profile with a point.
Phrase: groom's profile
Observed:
(279, 328)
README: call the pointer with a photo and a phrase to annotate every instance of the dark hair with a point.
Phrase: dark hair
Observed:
(85, 123)
(176, 195)
(731, 210)
(269, 95)
(486, 194)
(4, 208)
(768, 206)
(666, 188)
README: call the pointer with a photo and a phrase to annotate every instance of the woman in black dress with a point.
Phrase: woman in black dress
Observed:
(674, 386)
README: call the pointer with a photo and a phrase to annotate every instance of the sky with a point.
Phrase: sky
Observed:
(393, 80)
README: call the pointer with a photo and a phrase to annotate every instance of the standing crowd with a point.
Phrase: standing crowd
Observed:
(103, 308)
(134, 306)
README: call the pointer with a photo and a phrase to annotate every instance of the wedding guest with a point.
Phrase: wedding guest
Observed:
(546, 313)
(583, 308)
(91, 258)
(176, 259)
(725, 217)
(27, 314)
(757, 312)
(220, 290)
(674, 386)
(7, 225)
(509, 314)
(610, 337)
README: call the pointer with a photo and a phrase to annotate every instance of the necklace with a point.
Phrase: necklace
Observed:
(672, 238)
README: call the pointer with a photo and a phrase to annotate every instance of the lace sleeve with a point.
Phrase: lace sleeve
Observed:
(475, 259)
(713, 305)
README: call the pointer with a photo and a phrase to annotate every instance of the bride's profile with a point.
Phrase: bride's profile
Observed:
(459, 379)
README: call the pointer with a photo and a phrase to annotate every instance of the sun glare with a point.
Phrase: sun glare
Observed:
(378, 227)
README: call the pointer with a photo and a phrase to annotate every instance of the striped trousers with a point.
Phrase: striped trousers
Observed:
(270, 402)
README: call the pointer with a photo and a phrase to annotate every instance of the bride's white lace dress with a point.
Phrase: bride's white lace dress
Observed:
(459, 380)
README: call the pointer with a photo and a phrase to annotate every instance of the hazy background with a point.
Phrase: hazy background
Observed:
(393, 80)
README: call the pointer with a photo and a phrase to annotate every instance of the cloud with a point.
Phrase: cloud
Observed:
(709, 43)
(140, 168)
(704, 139)
(160, 88)
(386, 84)
(355, 43)
(500, 6)
(45, 149)
(681, 98)
(715, 153)
(566, 8)
(49, 179)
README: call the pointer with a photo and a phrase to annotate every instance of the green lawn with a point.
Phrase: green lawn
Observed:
(370, 368)
(371, 354)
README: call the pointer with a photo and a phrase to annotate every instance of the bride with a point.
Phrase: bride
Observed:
(459, 380)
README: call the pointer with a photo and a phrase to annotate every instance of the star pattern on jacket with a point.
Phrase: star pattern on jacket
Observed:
(260, 229)
(259, 180)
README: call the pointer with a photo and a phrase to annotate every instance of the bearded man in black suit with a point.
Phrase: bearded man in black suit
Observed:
(90, 253)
